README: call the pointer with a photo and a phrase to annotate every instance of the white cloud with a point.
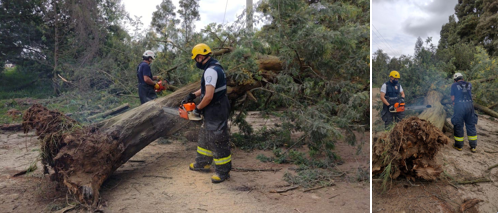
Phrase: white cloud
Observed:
(210, 11)
(400, 23)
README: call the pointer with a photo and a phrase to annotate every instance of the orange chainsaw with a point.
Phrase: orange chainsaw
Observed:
(185, 110)
(400, 107)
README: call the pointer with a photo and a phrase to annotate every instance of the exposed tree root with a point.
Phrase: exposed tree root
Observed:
(409, 150)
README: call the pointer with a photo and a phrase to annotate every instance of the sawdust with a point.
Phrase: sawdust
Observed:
(64, 142)
(410, 148)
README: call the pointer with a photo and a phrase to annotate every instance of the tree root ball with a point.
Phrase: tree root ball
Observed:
(410, 150)
(81, 157)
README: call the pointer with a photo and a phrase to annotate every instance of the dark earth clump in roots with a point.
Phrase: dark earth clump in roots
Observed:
(409, 149)
(64, 142)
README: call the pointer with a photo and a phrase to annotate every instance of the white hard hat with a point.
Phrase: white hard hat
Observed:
(148, 54)
(457, 76)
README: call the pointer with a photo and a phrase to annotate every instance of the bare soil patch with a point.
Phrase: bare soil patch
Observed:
(157, 179)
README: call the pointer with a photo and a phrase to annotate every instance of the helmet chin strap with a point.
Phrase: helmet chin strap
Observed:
(206, 58)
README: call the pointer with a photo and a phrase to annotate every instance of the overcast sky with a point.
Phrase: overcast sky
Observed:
(396, 24)
(210, 10)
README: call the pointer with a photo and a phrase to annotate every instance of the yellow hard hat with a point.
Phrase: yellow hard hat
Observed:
(202, 49)
(395, 74)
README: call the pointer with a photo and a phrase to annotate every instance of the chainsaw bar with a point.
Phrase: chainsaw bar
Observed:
(175, 111)
(417, 107)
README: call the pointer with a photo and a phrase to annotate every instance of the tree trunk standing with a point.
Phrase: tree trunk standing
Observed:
(249, 15)
(55, 84)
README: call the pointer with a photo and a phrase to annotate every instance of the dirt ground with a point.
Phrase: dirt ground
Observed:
(440, 196)
(157, 179)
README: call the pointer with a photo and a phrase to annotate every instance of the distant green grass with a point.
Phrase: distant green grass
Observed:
(68, 102)
(14, 84)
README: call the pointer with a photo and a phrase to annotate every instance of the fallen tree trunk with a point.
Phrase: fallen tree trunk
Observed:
(84, 157)
(110, 112)
(485, 110)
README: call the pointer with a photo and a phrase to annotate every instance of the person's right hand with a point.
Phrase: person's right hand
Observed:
(391, 108)
(156, 86)
(190, 97)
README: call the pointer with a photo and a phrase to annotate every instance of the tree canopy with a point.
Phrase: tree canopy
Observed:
(468, 44)
(321, 49)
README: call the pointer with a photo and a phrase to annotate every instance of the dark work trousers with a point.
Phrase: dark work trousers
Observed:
(464, 113)
(213, 142)
(146, 93)
(388, 116)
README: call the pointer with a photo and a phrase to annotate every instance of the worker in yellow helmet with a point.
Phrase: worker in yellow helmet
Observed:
(213, 142)
(391, 92)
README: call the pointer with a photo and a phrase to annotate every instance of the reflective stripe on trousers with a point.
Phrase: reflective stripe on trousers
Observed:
(222, 161)
(205, 152)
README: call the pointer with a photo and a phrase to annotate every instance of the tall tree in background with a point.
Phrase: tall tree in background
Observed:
(20, 30)
(477, 25)
(189, 13)
(164, 22)
(467, 45)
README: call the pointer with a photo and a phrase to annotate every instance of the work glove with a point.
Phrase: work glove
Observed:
(156, 86)
(197, 112)
(402, 100)
(190, 97)
(391, 108)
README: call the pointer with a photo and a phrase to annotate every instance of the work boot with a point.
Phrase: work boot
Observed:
(473, 149)
(194, 167)
(457, 148)
(216, 178)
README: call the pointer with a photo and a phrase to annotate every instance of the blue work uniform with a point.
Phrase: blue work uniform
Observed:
(213, 142)
(464, 113)
(392, 95)
(146, 91)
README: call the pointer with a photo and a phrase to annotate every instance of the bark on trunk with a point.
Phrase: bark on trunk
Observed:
(485, 110)
(83, 158)
(110, 112)
(436, 114)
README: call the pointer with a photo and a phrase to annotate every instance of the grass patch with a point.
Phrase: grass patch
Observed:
(312, 177)
(81, 105)
(15, 84)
